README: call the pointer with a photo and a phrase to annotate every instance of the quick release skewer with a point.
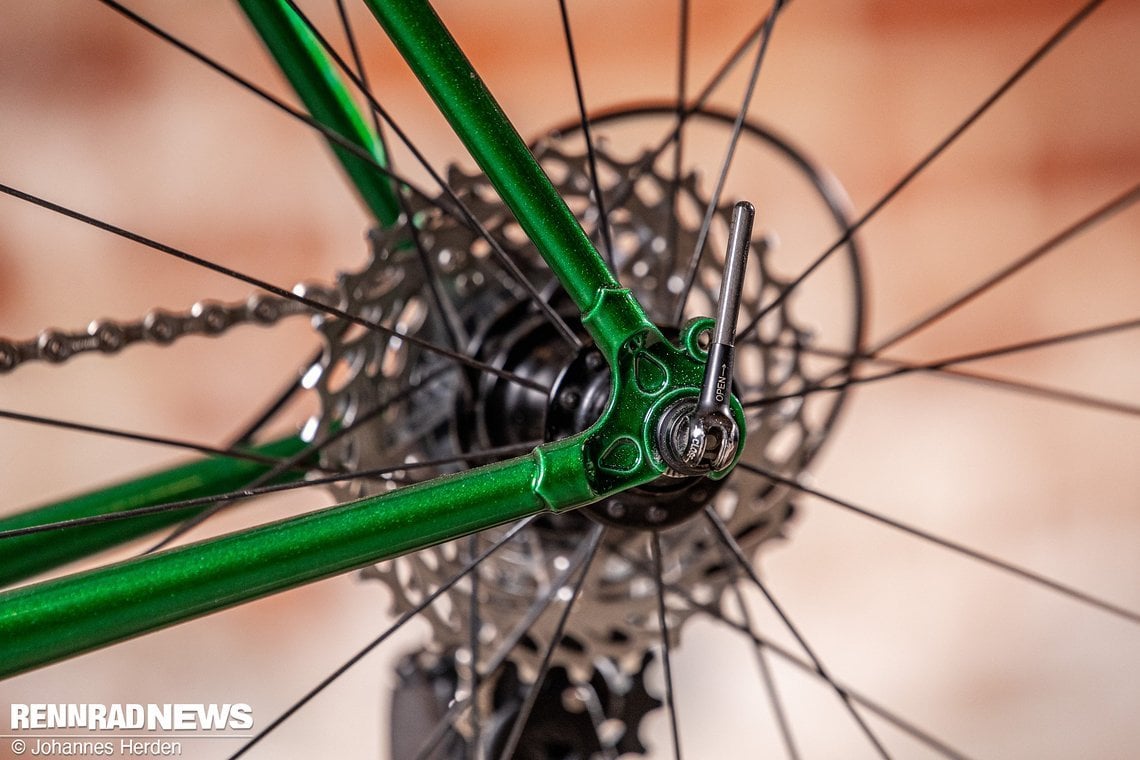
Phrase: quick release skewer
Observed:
(698, 436)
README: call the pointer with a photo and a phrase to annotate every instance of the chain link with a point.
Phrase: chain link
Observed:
(158, 326)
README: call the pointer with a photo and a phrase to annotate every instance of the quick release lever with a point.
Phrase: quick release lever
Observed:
(696, 438)
(717, 385)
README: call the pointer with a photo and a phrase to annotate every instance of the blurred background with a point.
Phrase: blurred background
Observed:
(98, 115)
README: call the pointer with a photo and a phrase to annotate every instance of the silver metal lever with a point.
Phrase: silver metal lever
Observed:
(702, 437)
(717, 385)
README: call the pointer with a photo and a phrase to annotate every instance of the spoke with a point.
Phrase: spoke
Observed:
(358, 64)
(306, 453)
(714, 612)
(535, 610)
(965, 551)
(82, 427)
(929, 158)
(979, 378)
(270, 288)
(1032, 345)
(475, 625)
(890, 716)
(428, 600)
(682, 70)
(677, 138)
(1046, 392)
(589, 696)
(443, 726)
(670, 705)
(731, 62)
(768, 679)
(582, 559)
(274, 407)
(465, 213)
(340, 140)
(726, 164)
(1116, 205)
(734, 552)
(591, 156)
(444, 307)
(451, 320)
(532, 694)
(246, 493)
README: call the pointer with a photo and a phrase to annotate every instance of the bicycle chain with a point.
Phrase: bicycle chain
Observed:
(159, 326)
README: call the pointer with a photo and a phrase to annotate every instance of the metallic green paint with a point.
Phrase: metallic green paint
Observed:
(502, 154)
(46, 622)
(25, 556)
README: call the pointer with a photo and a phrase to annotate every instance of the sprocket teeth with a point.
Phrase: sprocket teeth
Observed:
(615, 617)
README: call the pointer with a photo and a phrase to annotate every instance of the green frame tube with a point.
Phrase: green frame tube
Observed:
(25, 556)
(42, 623)
(491, 139)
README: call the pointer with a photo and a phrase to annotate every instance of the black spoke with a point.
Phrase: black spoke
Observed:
(735, 553)
(358, 151)
(247, 493)
(972, 376)
(532, 694)
(444, 726)
(1035, 389)
(670, 704)
(929, 158)
(465, 213)
(270, 288)
(82, 427)
(475, 625)
(726, 164)
(730, 62)
(890, 716)
(537, 607)
(274, 407)
(404, 618)
(1031, 345)
(965, 551)
(714, 612)
(452, 322)
(677, 139)
(359, 70)
(1114, 206)
(591, 155)
(769, 680)
(341, 141)
(582, 560)
(593, 705)
(303, 455)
